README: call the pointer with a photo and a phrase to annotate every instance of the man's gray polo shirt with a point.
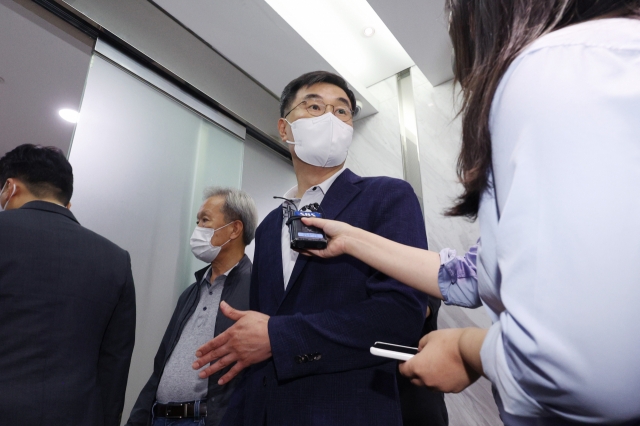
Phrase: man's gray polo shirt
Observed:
(179, 382)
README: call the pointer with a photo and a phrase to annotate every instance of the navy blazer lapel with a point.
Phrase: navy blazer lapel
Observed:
(340, 194)
(297, 268)
(272, 253)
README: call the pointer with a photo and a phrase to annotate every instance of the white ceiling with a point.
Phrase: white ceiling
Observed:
(335, 29)
(421, 28)
(252, 35)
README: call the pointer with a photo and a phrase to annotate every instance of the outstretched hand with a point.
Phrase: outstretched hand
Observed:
(336, 232)
(244, 343)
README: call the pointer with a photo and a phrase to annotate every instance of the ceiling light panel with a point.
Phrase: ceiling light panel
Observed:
(336, 30)
(69, 115)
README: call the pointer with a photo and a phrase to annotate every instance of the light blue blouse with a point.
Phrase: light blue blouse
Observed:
(558, 268)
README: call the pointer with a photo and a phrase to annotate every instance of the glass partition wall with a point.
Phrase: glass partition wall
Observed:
(141, 161)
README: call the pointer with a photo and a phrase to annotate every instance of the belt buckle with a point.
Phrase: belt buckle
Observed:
(176, 411)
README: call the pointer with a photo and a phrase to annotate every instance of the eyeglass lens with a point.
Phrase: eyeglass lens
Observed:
(317, 108)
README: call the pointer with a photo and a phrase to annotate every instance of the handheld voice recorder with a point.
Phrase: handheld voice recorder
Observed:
(301, 236)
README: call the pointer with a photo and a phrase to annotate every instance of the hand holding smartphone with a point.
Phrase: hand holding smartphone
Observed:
(389, 350)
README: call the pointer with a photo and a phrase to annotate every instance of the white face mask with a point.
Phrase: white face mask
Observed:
(321, 141)
(3, 207)
(201, 243)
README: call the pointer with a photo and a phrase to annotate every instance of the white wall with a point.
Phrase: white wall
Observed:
(376, 149)
(439, 133)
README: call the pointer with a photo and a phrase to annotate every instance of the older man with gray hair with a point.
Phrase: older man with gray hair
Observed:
(175, 395)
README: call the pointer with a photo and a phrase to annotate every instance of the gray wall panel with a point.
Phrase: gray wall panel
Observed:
(43, 65)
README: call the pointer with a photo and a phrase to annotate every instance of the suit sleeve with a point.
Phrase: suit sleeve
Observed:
(141, 411)
(339, 340)
(115, 352)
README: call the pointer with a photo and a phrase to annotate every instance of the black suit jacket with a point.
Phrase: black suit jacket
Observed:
(67, 320)
(235, 293)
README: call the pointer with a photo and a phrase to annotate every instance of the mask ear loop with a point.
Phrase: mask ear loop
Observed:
(215, 230)
(223, 226)
(9, 198)
(290, 143)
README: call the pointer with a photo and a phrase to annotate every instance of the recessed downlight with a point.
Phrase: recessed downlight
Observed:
(369, 32)
(69, 115)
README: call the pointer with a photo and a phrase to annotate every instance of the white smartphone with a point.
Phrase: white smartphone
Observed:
(389, 350)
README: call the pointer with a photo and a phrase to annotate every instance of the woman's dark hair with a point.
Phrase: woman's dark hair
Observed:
(45, 171)
(309, 79)
(487, 36)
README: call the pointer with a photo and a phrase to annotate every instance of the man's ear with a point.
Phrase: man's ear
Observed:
(282, 129)
(238, 228)
(20, 188)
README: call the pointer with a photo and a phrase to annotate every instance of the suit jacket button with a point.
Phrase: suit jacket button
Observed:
(317, 357)
(264, 381)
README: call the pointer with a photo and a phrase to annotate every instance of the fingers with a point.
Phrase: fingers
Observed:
(405, 369)
(209, 351)
(312, 252)
(223, 362)
(423, 341)
(314, 221)
(233, 372)
(231, 313)
(304, 252)
(417, 382)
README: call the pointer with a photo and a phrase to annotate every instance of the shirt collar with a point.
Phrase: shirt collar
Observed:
(324, 186)
(207, 275)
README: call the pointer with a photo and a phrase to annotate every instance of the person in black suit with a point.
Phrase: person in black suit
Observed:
(67, 302)
(312, 321)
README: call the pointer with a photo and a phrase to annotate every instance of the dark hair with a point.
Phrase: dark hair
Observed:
(45, 171)
(309, 79)
(487, 36)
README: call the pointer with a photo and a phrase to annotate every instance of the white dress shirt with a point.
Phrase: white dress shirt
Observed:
(559, 262)
(315, 194)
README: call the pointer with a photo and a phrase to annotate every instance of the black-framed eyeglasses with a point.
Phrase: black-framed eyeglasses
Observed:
(317, 108)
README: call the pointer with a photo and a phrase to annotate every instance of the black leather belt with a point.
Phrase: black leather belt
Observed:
(180, 411)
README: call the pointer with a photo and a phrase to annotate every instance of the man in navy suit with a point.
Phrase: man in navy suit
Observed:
(313, 320)
(67, 301)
